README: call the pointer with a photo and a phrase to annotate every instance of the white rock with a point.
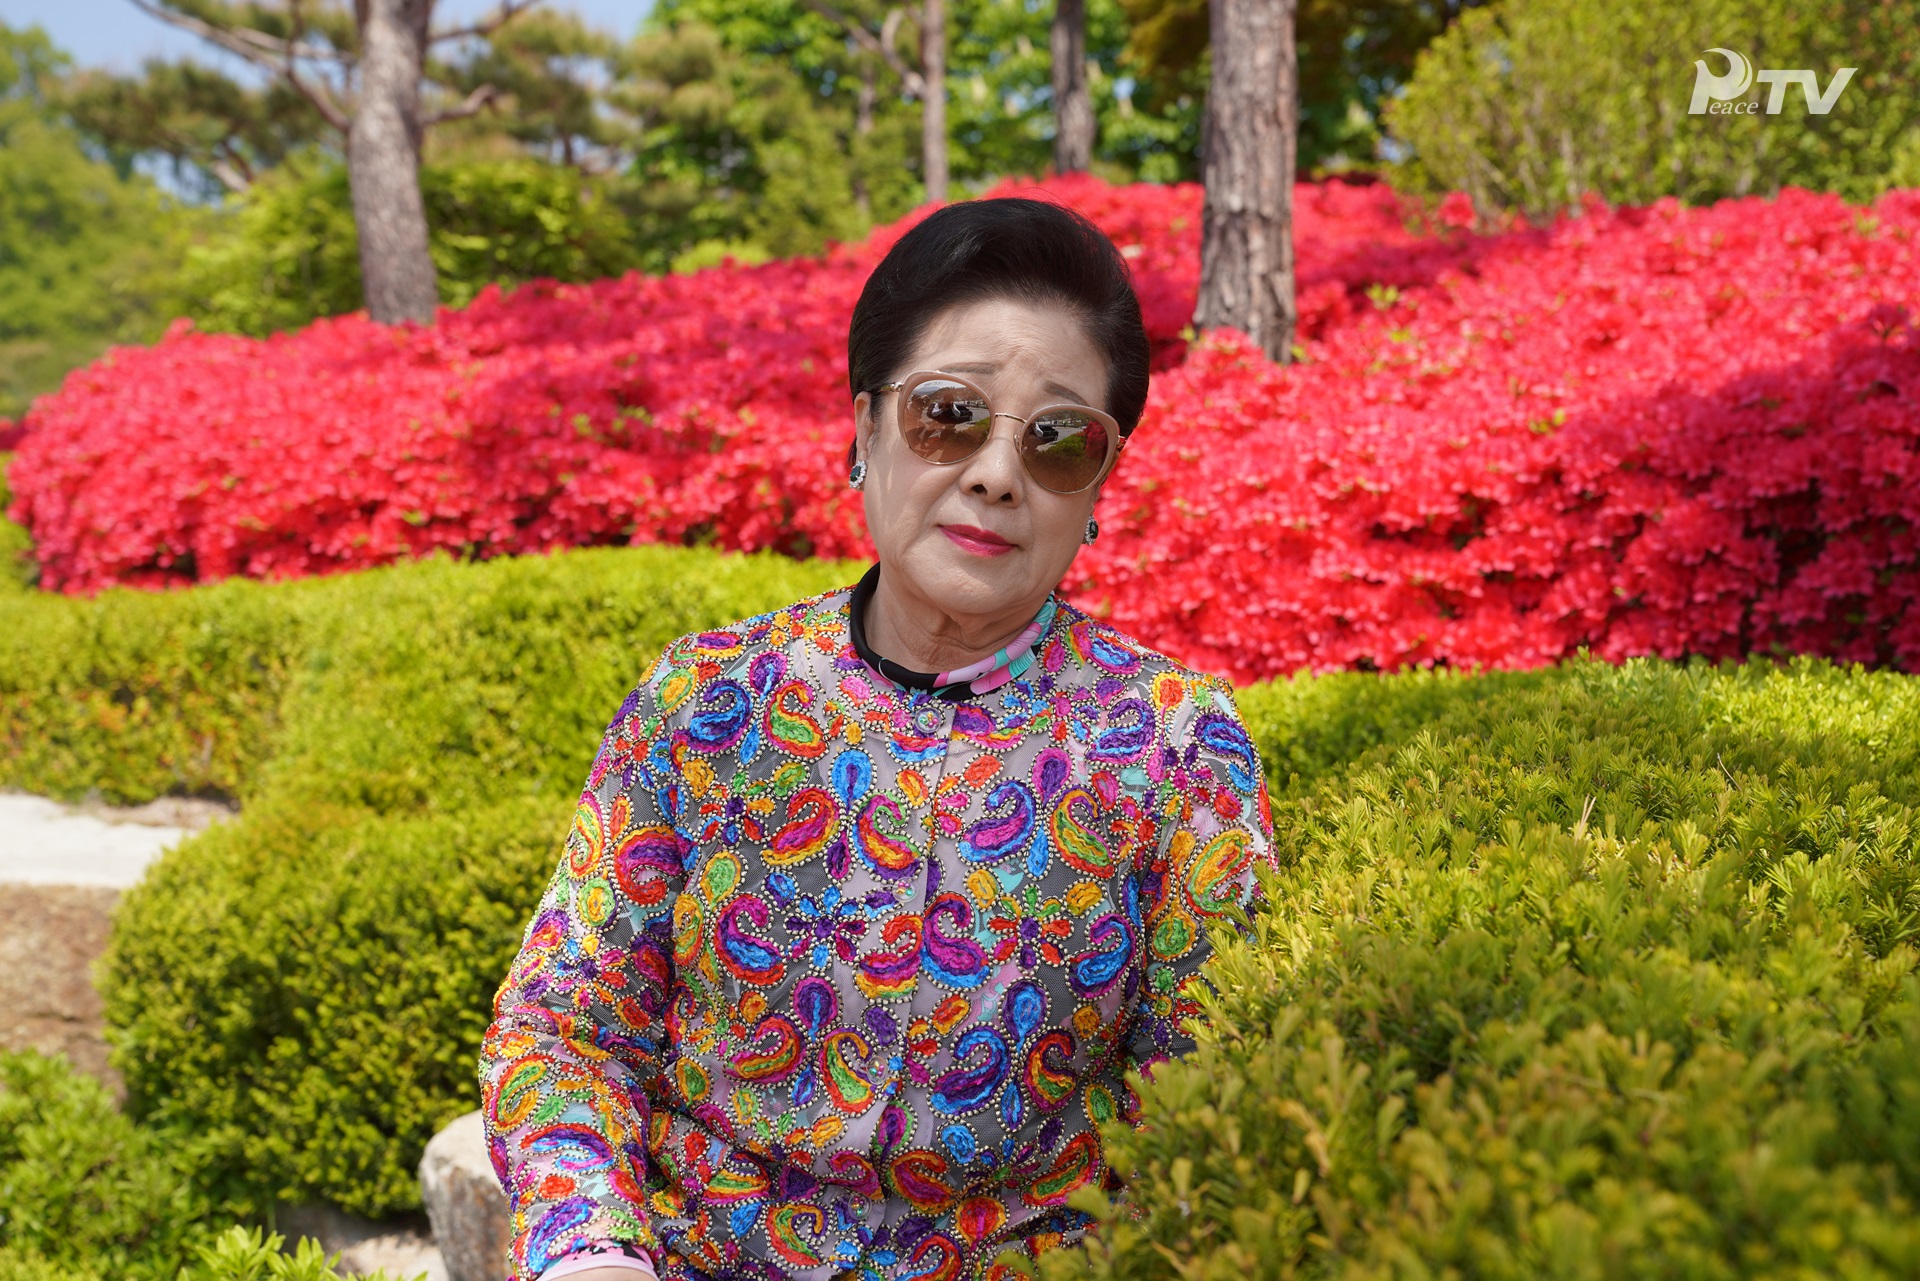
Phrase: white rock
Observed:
(398, 1254)
(43, 842)
(62, 867)
(400, 1248)
(464, 1202)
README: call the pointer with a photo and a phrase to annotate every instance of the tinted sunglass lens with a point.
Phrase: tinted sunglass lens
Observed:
(1066, 450)
(944, 421)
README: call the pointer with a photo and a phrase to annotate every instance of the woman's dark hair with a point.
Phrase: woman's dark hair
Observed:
(1028, 250)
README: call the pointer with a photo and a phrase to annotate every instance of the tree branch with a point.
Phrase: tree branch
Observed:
(317, 92)
(254, 46)
(276, 55)
(470, 105)
(507, 12)
(319, 95)
(881, 45)
(229, 175)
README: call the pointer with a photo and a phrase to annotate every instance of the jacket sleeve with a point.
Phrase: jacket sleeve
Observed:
(1218, 830)
(580, 1024)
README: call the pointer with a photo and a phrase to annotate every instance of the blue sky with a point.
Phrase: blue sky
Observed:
(112, 33)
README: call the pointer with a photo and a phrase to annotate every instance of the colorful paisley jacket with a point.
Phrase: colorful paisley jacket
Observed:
(839, 977)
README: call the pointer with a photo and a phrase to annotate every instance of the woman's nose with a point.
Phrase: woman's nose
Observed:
(996, 465)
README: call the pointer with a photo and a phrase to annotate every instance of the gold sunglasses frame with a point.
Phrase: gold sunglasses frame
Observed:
(913, 380)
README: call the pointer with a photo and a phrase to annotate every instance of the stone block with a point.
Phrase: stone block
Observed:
(465, 1203)
(50, 936)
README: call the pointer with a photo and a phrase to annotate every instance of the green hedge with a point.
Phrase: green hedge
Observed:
(17, 568)
(1588, 973)
(1591, 971)
(297, 997)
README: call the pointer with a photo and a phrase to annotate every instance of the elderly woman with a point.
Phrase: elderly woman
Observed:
(870, 902)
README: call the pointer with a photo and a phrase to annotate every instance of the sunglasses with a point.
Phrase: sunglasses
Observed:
(945, 419)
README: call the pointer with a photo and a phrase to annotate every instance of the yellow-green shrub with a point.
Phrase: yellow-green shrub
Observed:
(17, 569)
(1597, 973)
(137, 694)
(298, 996)
(1589, 971)
(83, 1190)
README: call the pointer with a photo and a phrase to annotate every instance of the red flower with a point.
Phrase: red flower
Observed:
(1456, 210)
(1650, 430)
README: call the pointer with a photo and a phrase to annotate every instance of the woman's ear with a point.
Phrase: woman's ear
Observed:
(862, 428)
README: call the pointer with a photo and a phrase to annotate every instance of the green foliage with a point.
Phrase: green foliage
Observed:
(17, 567)
(1532, 105)
(88, 1195)
(83, 1190)
(1590, 973)
(138, 694)
(519, 219)
(243, 1254)
(289, 254)
(543, 103)
(739, 151)
(1353, 56)
(83, 251)
(299, 996)
(293, 254)
(999, 95)
(296, 997)
(1000, 98)
(214, 134)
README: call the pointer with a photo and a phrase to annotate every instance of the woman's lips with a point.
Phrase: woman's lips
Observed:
(981, 542)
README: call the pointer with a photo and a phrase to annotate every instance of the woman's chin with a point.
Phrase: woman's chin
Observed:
(956, 576)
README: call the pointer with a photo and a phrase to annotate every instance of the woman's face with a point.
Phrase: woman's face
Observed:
(980, 536)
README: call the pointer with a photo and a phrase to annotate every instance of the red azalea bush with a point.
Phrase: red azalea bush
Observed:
(1652, 430)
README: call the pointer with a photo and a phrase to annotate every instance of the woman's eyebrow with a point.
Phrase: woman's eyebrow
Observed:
(980, 367)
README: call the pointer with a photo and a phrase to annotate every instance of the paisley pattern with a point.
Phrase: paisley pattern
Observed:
(839, 977)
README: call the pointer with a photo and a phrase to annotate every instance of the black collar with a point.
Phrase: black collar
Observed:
(952, 692)
(856, 606)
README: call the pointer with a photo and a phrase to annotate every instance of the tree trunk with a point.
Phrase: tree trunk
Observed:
(1252, 128)
(1073, 125)
(933, 116)
(383, 162)
(866, 100)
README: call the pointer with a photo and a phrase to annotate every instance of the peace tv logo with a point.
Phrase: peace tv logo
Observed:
(1720, 95)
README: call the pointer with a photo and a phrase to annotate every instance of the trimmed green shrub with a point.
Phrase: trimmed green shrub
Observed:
(83, 1190)
(1587, 973)
(297, 997)
(1531, 105)
(135, 694)
(88, 1195)
(439, 685)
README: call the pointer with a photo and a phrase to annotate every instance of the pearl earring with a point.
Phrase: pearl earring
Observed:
(1093, 530)
(858, 476)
